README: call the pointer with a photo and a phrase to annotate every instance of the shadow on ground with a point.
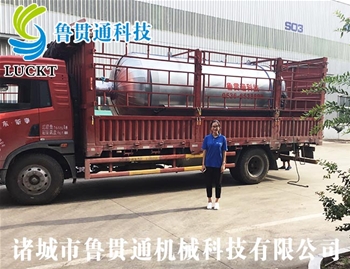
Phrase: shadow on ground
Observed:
(97, 189)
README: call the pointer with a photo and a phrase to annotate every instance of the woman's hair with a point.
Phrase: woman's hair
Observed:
(214, 121)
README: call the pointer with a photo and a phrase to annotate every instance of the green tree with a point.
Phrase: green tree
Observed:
(339, 84)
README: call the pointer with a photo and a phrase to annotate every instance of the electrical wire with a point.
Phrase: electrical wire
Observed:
(295, 183)
(291, 182)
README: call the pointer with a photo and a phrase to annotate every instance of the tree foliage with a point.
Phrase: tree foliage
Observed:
(335, 210)
(345, 21)
(332, 85)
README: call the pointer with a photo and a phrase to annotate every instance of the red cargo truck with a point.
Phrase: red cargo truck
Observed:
(83, 112)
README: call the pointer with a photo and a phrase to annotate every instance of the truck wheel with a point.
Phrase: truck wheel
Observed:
(253, 166)
(35, 179)
(235, 174)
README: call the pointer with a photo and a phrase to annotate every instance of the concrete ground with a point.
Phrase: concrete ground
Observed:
(161, 222)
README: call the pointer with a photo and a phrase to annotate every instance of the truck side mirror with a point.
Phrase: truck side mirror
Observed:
(4, 87)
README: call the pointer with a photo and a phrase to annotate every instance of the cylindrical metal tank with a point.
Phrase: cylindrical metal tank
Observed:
(244, 87)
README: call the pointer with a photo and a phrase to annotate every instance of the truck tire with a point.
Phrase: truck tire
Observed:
(35, 179)
(235, 174)
(252, 166)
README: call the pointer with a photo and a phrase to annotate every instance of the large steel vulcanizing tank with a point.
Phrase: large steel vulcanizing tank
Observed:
(244, 87)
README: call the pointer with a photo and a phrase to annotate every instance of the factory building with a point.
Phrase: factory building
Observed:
(295, 30)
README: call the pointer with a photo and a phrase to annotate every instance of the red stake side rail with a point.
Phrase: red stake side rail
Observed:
(145, 132)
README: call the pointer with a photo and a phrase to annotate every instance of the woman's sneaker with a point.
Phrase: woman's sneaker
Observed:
(216, 206)
(209, 206)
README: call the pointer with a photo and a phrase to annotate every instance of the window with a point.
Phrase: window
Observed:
(344, 101)
(22, 94)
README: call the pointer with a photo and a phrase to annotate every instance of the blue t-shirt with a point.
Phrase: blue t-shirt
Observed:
(214, 147)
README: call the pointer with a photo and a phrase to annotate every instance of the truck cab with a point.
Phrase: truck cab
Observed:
(35, 120)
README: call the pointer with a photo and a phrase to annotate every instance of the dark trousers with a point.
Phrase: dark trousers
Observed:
(213, 174)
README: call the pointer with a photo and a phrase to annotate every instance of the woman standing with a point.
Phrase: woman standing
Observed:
(213, 163)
